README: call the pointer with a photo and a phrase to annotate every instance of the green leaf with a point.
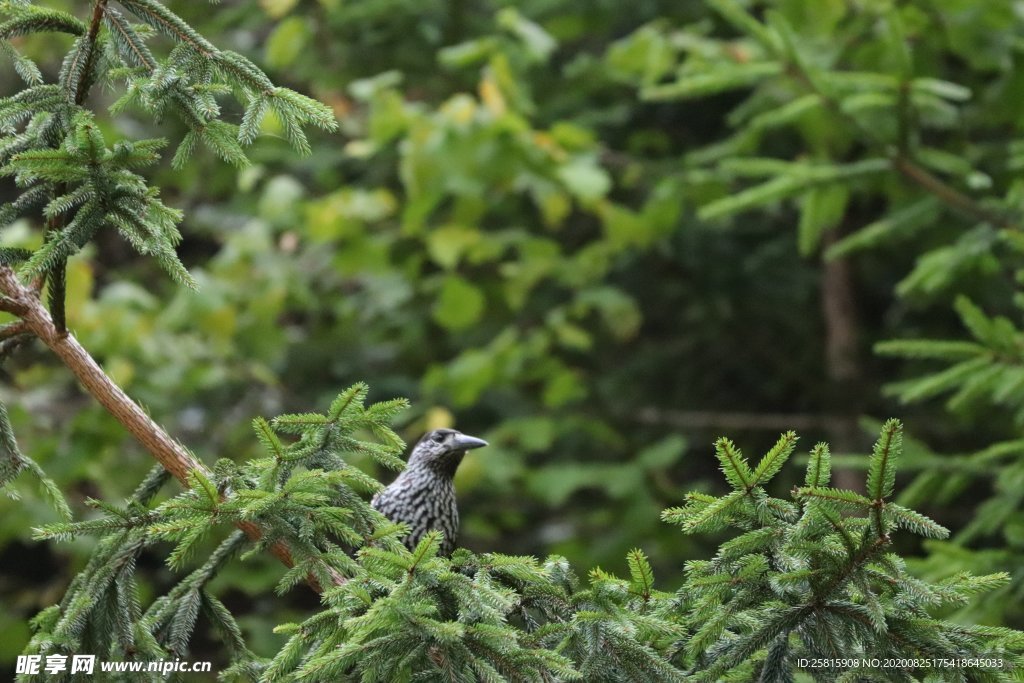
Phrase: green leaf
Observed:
(538, 41)
(662, 453)
(645, 55)
(619, 312)
(563, 386)
(468, 53)
(448, 244)
(459, 304)
(278, 8)
(944, 89)
(289, 40)
(821, 210)
(587, 181)
(720, 78)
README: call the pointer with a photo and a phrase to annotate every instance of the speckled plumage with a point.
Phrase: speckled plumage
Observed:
(423, 496)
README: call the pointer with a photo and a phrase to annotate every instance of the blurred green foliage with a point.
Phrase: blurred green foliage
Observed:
(591, 236)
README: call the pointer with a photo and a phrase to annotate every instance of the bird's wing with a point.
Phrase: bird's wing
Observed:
(379, 501)
(384, 502)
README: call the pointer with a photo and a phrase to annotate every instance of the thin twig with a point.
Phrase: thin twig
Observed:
(19, 327)
(948, 194)
(11, 306)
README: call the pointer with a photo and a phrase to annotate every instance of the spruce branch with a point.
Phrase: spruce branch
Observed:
(949, 195)
(817, 579)
(82, 89)
(13, 462)
(779, 41)
(174, 457)
(170, 24)
(56, 154)
(82, 78)
(31, 19)
(128, 41)
(168, 452)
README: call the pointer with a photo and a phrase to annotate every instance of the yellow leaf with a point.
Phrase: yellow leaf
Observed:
(491, 96)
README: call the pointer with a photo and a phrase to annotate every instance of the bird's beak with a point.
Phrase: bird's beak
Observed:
(464, 442)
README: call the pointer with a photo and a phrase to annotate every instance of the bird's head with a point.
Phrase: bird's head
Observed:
(442, 449)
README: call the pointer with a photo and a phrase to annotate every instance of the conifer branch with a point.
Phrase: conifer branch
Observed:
(82, 90)
(140, 54)
(949, 195)
(37, 19)
(901, 160)
(54, 223)
(168, 452)
(174, 457)
(165, 21)
(781, 44)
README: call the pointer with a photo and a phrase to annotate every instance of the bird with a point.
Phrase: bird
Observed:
(423, 495)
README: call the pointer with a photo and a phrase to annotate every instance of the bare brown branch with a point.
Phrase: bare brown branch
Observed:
(175, 458)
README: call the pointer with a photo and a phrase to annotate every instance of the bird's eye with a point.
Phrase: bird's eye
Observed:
(437, 438)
